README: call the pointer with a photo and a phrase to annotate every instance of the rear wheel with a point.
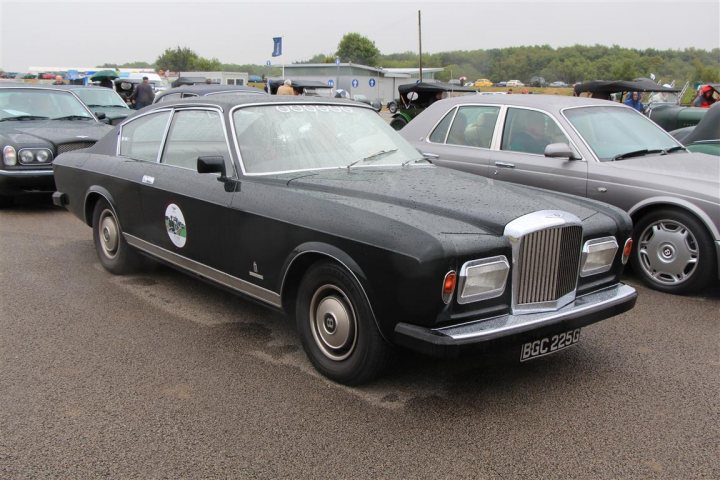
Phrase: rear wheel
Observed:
(673, 252)
(112, 249)
(392, 107)
(336, 326)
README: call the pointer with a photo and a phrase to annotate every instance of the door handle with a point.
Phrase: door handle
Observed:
(430, 155)
(504, 165)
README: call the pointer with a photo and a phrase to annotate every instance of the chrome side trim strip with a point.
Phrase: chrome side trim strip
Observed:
(26, 173)
(509, 324)
(204, 271)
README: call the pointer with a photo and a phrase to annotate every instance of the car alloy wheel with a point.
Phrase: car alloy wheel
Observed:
(114, 253)
(332, 322)
(109, 233)
(673, 252)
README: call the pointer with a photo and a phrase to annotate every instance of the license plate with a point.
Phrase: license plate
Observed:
(546, 346)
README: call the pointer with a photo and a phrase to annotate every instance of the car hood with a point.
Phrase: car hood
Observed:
(51, 132)
(439, 200)
(692, 173)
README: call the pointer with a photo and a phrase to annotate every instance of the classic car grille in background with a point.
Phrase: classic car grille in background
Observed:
(69, 147)
(548, 264)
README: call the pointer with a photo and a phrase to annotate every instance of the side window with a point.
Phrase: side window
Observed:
(438, 135)
(140, 139)
(474, 126)
(193, 134)
(529, 131)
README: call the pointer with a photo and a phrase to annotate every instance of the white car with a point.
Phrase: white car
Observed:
(514, 83)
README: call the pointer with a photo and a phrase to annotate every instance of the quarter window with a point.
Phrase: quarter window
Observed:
(438, 135)
(141, 138)
(193, 134)
(530, 131)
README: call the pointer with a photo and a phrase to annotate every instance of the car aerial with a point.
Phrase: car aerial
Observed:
(104, 102)
(205, 89)
(37, 123)
(482, 82)
(598, 149)
(703, 137)
(317, 208)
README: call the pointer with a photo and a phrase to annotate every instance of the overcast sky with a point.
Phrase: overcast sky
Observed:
(89, 33)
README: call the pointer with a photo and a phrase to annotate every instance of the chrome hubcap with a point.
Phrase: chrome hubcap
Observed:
(109, 234)
(333, 323)
(668, 252)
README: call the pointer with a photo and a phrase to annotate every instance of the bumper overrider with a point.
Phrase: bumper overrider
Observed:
(511, 329)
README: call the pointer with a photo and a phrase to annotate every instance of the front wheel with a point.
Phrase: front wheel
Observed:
(673, 252)
(392, 107)
(336, 326)
(398, 123)
(113, 251)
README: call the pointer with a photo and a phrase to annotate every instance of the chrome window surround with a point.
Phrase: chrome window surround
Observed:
(464, 271)
(48, 161)
(604, 243)
(519, 228)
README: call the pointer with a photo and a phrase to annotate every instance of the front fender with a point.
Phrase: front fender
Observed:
(678, 202)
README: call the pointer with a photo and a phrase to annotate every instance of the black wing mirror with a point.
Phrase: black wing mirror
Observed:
(560, 150)
(215, 164)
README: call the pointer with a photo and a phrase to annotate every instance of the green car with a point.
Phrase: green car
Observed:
(705, 136)
(416, 97)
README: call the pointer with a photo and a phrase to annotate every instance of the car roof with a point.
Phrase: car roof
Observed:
(205, 89)
(544, 102)
(227, 102)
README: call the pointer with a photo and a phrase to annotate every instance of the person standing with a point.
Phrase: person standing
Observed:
(286, 88)
(143, 95)
(705, 98)
(633, 101)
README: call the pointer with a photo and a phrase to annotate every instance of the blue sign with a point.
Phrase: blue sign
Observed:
(371, 82)
(277, 46)
(331, 83)
(355, 83)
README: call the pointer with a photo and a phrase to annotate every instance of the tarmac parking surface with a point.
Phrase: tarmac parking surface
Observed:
(159, 375)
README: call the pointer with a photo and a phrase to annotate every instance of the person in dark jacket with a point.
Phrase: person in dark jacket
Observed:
(705, 98)
(633, 101)
(143, 94)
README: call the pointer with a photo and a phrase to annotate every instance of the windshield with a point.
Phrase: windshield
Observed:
(614, 131)
(96, 97)
(285, 138)
(37, 104)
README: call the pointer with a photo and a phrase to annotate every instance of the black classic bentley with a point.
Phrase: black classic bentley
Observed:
(36, 124)
(320, 209)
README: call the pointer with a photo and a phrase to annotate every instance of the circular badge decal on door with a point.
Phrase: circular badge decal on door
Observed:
(175, 225)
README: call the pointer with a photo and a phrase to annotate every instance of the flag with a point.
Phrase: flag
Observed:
(277, 46)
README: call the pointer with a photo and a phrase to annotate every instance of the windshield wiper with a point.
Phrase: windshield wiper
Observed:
(673, 149)
(74, 117)
(374, 156)
(24, 117)
(423, 159)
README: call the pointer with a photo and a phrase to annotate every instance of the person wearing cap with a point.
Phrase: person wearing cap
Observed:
(286, 88)
(705, 99)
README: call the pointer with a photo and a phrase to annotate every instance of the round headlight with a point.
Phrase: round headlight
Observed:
(42, 156)
(26, 156)
(9, 156)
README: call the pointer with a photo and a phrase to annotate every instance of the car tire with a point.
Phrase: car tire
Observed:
(398, 123)
(337, 327)
(115, 255)
(392, 107)
(673, 252)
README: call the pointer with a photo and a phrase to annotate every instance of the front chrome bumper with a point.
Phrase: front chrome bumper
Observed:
(505, 329)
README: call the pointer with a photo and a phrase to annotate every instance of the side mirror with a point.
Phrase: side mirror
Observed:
(100, 115)
(214, 164)
(560, 150)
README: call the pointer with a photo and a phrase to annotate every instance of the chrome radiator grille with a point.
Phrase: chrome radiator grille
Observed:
(69, 147)
(548, 264)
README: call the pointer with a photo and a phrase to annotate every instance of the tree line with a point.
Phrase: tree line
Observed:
(568, 64)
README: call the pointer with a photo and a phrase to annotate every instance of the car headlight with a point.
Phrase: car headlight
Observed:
(42, 156)
(26, 156)
(482, 279)
(9, 155)
(598, 255)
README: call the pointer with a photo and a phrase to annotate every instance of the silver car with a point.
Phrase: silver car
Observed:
(597, 149)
